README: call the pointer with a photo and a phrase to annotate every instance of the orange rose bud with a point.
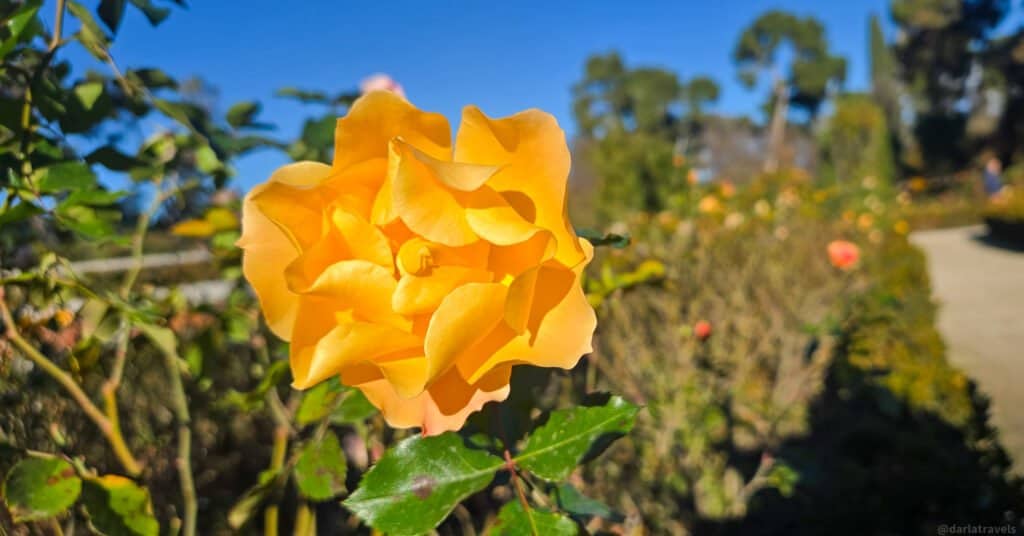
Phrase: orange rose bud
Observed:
(843, 255)
(702, 329)
(417, 271)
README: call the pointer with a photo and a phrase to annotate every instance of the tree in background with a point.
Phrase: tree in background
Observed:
(812, 72)
(856, 142)
(886, 87)
(1004, 61)
(634, 123)
(940, 47)
(697, 94)
(884, 76)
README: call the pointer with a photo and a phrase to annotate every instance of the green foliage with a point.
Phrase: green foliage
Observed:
(62, 177)
(608, 239)
(813, 381)
(637, 123)
(40, 488)
(242, 114)
(580, 506)
(354, 408)
(857, 143)
(941, 45)
(419, 481)
(118, 507)
(554, 449)
(909, 359)
(319, 401)
(813, 70)
(16, 26)
(885, 84)
(513, 520)
(320, 469)
(44, 487)
(112, 11)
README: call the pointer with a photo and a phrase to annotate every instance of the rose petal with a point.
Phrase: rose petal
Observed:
(495, 220)
(268, 248)
(464, 318)
(380, 116)
(423, 294)
(441, 408)
(363, 240)
(350, 343)
(534, 158)
(559, 328)
(362, 287)
(427, 207)
(517, 258)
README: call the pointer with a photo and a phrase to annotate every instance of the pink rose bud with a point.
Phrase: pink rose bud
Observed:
(380, 81)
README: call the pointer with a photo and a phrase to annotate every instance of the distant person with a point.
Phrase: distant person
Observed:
(992, 177)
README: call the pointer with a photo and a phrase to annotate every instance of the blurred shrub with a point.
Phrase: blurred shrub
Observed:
(899, 439)
(1004, 212)
(857, 142)
(718, 404)
(816, 388)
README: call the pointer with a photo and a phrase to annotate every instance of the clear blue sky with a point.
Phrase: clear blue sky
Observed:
(500, 56)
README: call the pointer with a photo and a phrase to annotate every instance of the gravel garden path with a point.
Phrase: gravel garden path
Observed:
(980, 289)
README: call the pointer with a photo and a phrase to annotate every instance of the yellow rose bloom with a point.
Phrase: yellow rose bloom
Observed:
(419, 272)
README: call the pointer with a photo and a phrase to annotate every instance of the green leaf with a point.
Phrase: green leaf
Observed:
(151, 78)
(783, 478)
(302, 95)
(513, 521)
(87, 221)
(16, 25)
(571, 436)
(87, 93)
(118, 506)
(19, 212)
(318, 401)
(579, 505)
(610, 239)
(163, 338)
(40, 488)
(89, 34)
(112, 159)
(418, 482)
(181, 112)
(154, 14)
(64, 176)
(320, 469)
(242, 114)
(207, 161)
(91, 315)
(316, 140)
(99, 198)
(354, 408)
(111, 13)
